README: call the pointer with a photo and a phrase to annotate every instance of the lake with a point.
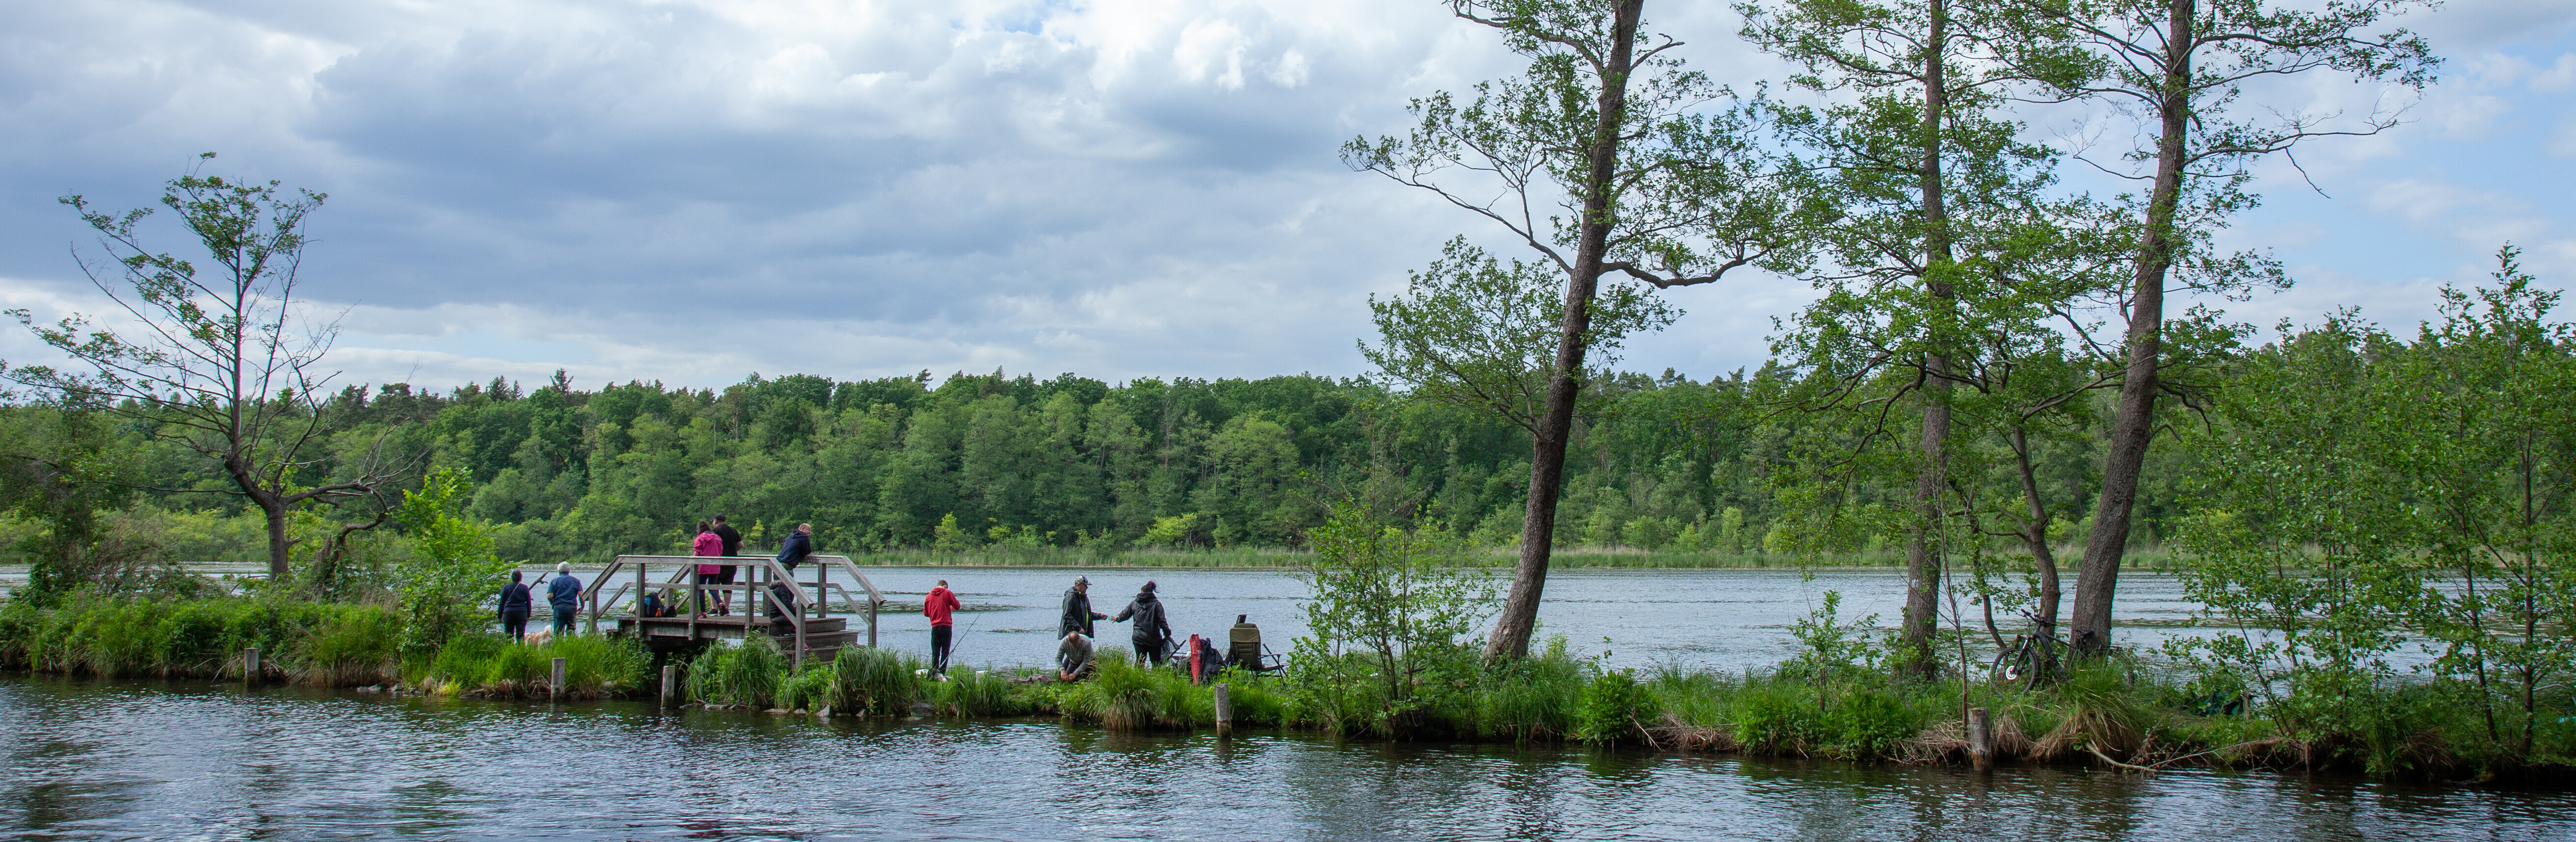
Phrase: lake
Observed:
(1718, 619)
(105, 760)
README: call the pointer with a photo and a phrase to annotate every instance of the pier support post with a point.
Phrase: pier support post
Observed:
(250, 665)
(558, 686)
(1224, 711)
(670, 683)
(1980, 740)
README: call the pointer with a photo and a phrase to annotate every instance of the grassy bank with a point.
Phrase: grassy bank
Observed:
(315, 643)
(2122, 714)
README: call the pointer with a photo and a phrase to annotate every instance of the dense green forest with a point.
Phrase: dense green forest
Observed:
(1670, 463)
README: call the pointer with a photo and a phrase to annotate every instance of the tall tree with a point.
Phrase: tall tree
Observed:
(1607, 128)
(1942, 249)
(2180, 67)
(221, 362)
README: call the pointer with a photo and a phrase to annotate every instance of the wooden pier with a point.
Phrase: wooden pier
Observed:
(807, 630)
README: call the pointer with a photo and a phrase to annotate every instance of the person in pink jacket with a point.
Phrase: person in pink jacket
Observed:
(941, 607)
(709, 543)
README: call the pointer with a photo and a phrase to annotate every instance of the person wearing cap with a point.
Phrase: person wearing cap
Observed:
(940, 605)
(1077, 610)
(564, 596)
(1152, 634)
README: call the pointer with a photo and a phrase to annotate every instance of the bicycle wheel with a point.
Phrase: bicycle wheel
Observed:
(2011, 665)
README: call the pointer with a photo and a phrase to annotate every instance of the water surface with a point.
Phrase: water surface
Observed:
(210, 762)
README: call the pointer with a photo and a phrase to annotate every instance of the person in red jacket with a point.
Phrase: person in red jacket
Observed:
(941, 607)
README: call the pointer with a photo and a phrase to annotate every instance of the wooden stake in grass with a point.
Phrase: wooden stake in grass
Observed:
(557, 689)
(670, 683)
(1224, 711)
(1980, 740)
(250, 665)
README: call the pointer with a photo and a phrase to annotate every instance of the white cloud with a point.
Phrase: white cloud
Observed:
(694, 190)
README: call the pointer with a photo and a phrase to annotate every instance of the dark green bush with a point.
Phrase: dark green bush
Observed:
(1614, 709)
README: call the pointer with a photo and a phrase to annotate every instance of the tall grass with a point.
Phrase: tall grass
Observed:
(489, 664)
(749, 675)
(874, 681)
(324, 644)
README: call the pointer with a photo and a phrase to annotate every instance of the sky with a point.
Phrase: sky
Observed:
(692, 192)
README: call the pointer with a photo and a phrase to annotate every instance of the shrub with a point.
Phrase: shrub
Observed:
(1778, 717)
(1614, 708)
(1869, 723)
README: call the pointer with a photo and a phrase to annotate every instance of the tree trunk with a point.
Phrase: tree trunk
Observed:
(1512, 629)
(2035, 534)
(1922, 552)
(2097, 579)
(278, 571)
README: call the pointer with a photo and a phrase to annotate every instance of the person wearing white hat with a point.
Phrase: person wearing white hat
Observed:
(564, 596)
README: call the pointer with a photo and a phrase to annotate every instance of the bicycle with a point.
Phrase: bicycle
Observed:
(2033, 658)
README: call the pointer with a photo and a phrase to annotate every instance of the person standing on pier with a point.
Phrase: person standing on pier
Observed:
(709, 545)
(564, 596)
(941, 607)
(1153, 634)
(516, 602)
(798, 545)
(732, 539)
(1077, 610)
(729, 573)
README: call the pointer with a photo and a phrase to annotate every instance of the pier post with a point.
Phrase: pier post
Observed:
(1980, 740)
(557, 687)
(670, 682)
(872, 624)
(250, 665)
(1224, 711)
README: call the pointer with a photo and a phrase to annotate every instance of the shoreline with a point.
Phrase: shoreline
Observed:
(1670, 739)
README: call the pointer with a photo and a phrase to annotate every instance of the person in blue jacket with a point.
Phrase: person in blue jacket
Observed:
(799, 544)
(564, 595)
(516, 602)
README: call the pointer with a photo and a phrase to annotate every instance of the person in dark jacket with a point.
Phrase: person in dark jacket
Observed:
(564, 596)
(1153, 634)
(798, 545)
(732, 539)
(726, 574)
(516, 602)
(1077, 610)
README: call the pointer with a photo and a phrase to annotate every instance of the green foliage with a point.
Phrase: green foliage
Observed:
(86, 633)
(875, 681)
(483, 663)
(977, 694)
(1869, 723)
(748, 675)
(1614, 709)
(451, 569)
(1832, 648)
(1471, 333)
(1400, 597)
(809, 690)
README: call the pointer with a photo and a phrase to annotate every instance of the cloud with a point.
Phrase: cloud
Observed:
(692, 191)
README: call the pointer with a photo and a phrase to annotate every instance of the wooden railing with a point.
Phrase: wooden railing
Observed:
(684, 578)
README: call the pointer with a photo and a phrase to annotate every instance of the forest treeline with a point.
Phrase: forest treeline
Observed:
(1668, 463)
